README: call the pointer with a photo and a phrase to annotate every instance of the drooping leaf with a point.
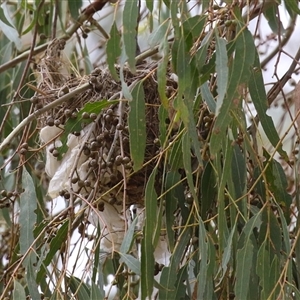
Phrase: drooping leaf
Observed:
(259, 98)
(3, 17)
(27, 219)
(208, 189)
(96, 292)
(74, 6)
(18, 291)
(54, 246)
(7, 28)
(172, 179)
(76, 125)
(130, 16)
(271, 14)
(79, 288)
(292, 6)
(129, 237)
(245, 254)
(137, 126)
(131, 262)
(113, 50)
(161, 74)
(222, 71)
(239, 73)
(169, 274)
(159, 35)
(208, 97)
(31, 277)
(147, 259)
(277, 182)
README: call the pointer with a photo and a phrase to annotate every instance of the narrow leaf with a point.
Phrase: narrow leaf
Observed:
(96, 293)
(147, 259)
(259, 98)
(18, 292)
(137, 126)
(28, 205)
(54, 246)
(131, 262)
(244, 262)
(3, 17)
(74, 6)
(79, 288)
(222, 71)
(113, 50)
(239, 73)
(208, 97)
(76, 125)
(128, 238)
(130, 15)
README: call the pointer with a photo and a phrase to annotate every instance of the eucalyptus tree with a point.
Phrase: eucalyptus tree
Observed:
(136, 144)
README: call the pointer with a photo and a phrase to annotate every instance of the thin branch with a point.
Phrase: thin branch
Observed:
(12, 63)
(288, 34)
(39, 112)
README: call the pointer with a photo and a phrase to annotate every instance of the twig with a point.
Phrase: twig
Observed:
(10, 64)
(39, 112)
(286, 38)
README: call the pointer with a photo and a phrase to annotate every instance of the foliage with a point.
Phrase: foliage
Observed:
(222, 203)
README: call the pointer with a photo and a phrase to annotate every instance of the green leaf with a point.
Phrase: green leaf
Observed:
(131, 262)
(18, 292)
(193, 27)
(259, 98)
(228, 251)
(245, 256)
(96, 293)
(161, 74)
(159, 35)
(169, 274)
(263, 270)
(186, 150)
(76, 125)
(271, 14)
(239, 73)
(203, 277)
(130, 16)
(176, 159)
(31, 278)
(208, 97)
(292, 6)
(54, 246)
(147, 259)
(278, 185)
(113, 50)
(239, 175)
(183, 68)
(27, 219)
(4, 19)
(79, 288)
(137, 126)
(147, 265)
(172, 179)
(74, 6)
(208, 189)
(244, 262)
(180, 284)
(163, 115)
(222, 71)
(128, 238)
(7, 28)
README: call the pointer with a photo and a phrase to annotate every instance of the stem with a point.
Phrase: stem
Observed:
(39, 112)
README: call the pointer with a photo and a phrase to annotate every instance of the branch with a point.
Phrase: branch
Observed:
(39, 112)
(12, 63)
